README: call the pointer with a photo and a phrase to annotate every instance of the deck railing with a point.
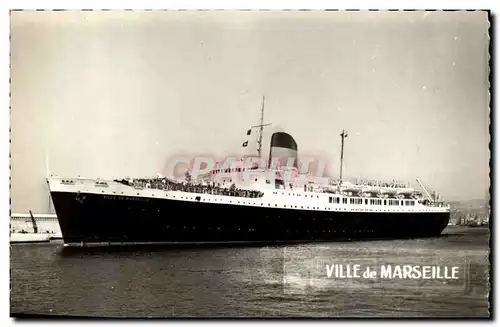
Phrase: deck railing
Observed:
(212, 188)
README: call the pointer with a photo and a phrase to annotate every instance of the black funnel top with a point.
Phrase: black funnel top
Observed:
(283, 148)
(283, 140)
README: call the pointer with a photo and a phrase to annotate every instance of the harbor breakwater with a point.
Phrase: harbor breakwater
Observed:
(39, 228)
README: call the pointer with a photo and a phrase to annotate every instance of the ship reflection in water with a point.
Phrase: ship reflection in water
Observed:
(285, 281)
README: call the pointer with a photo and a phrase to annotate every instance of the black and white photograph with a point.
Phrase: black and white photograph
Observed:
(250, 164)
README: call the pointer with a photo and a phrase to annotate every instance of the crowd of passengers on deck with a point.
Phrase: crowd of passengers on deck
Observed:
(376, 183)
(196, 187)
(222, 189)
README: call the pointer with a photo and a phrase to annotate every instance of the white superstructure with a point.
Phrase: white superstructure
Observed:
(273, 194)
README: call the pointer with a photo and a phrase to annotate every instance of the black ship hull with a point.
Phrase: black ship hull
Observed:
(88, 218)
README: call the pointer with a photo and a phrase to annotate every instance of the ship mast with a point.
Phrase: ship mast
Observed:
(342, 136)
(261, 128)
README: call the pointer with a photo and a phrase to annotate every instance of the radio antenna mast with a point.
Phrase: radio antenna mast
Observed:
(342, 136)
(261, 128)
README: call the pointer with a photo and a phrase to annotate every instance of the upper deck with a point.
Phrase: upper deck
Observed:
(298, 198)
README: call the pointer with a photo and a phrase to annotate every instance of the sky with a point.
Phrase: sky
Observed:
(112, 94)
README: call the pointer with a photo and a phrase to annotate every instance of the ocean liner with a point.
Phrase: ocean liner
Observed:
(243, 202)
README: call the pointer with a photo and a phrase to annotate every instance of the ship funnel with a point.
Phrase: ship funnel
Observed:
(283, 151)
